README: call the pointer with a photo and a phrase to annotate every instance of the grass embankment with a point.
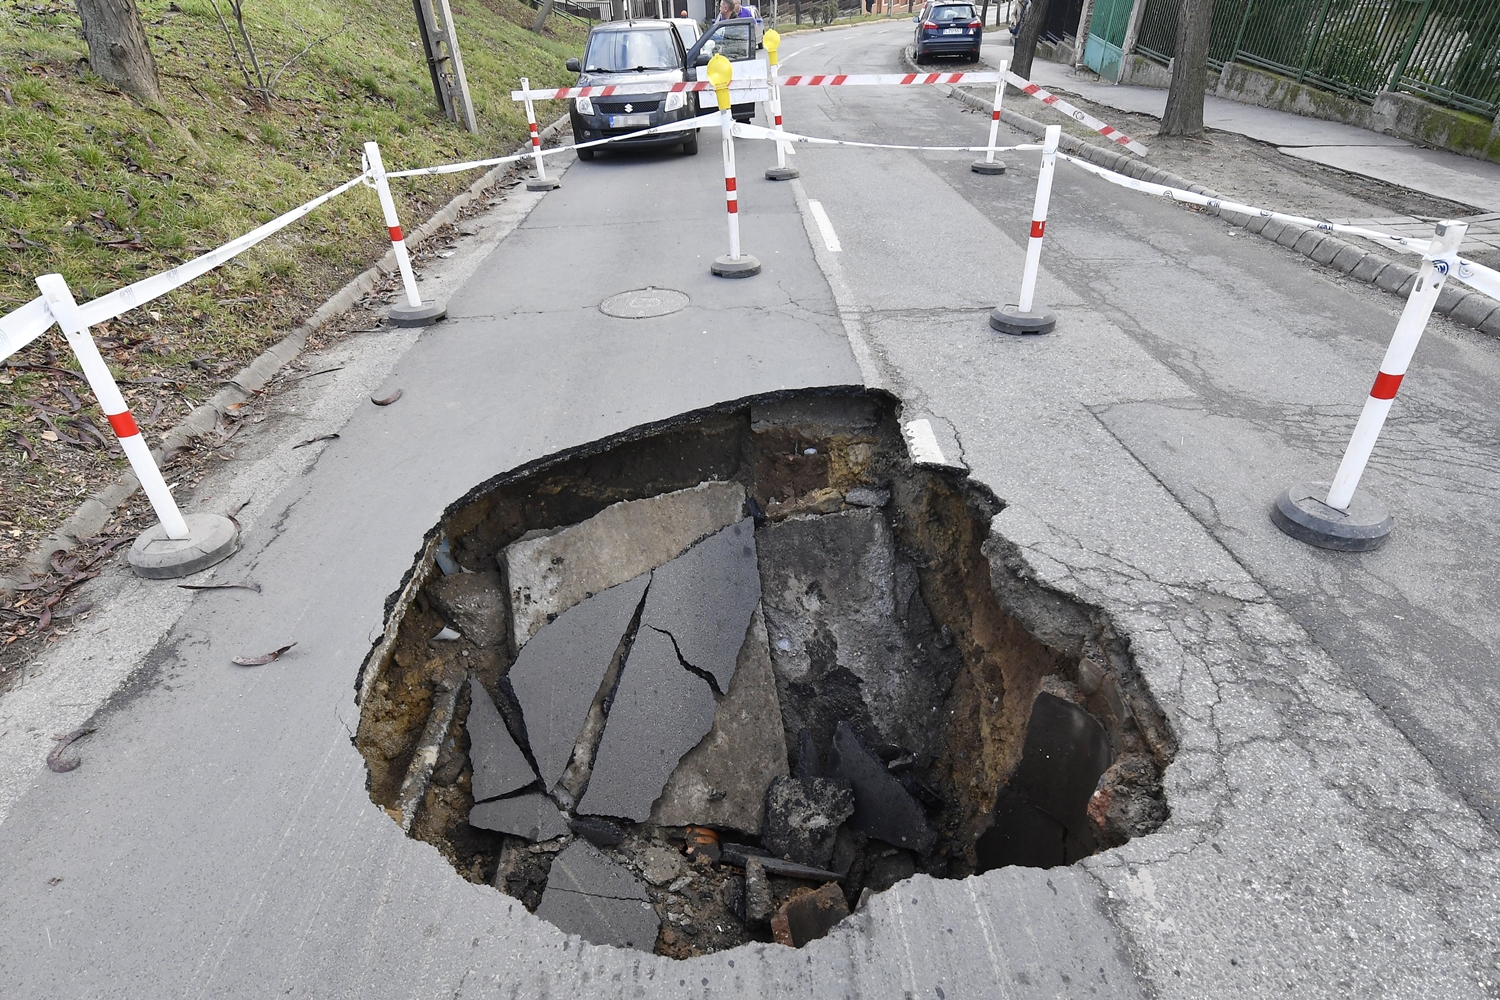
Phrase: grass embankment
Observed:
(105, 191)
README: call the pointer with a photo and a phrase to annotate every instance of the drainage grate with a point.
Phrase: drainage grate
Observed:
(715, 682)
(644, 303)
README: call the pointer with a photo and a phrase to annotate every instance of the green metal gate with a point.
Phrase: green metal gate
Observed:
(1103, 50)
(1448, 51)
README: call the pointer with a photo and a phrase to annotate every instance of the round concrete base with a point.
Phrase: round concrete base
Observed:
(782, 173)
(426, 314)
(1301, 513)
(1010, 319)
(984, 167)
(543, 184)
(732, 267)
(157, 557)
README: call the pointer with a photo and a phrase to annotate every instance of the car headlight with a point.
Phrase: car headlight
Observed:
(675, 100)
(585, 106)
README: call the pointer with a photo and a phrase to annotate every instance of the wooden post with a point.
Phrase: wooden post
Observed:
(447, 63)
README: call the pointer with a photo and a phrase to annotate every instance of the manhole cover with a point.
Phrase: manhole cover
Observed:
(643, 303)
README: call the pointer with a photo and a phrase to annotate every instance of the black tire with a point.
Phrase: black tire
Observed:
(586, 154)
(918, 56)
(975, 57)
(690, 145)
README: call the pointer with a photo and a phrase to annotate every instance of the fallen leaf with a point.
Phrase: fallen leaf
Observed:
(387, 401)
(259, 661)
(48, 435)
(55, 760)
(222, 586)
(315, 440)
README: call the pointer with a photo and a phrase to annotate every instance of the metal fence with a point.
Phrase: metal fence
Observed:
(1446, 50)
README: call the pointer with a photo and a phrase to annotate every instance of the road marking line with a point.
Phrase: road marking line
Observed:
(794, 55)
(825, 226)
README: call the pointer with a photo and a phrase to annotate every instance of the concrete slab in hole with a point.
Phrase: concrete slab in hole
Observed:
(722, 781)
(550, 573)
(557, 674)
(660, 712)
(473, 603)
(533, 816)
(499, 765)
(704, 599)
(589, 895)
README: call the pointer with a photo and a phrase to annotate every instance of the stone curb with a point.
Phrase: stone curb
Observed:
(1464, 306)
(95, 512)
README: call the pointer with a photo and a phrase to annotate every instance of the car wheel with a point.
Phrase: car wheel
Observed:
(690, 145)
(586, 154)
(975, 57)
(919, 56)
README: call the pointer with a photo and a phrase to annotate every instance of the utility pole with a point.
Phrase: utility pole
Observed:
(446, 65)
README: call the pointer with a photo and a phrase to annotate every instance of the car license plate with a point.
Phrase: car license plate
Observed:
(953, 31)
(628, 121)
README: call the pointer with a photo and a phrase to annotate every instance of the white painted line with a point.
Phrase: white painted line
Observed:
(830, 238)
(794, 55)
(922, 443)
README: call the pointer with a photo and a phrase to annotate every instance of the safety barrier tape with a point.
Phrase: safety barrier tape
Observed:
(1108, 131)
(742, 131)
(1475, 275)
(804, 80)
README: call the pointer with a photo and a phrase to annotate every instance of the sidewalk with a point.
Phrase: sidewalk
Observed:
(1434, 172)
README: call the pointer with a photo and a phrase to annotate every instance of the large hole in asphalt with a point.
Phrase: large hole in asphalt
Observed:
(715, 681)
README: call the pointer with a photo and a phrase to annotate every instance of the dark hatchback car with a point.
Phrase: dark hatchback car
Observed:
(948, 29)
(632, 52)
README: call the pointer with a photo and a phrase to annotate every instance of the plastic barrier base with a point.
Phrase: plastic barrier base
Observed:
(1010, 319)
(985, 167)
(426, 314)
(1301, 513)
(735, 267)
(543, 184)
(213, 539)
(782, 173)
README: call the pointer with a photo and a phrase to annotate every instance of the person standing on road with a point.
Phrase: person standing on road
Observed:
(729, 9)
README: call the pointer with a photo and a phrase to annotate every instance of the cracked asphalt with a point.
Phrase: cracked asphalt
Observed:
(1333, 797)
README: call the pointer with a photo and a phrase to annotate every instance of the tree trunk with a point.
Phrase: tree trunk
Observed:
(541, 16)
(1184, 114)
(1031, 28)
(118, 49)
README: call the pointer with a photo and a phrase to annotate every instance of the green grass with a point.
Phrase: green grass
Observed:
(105, 191)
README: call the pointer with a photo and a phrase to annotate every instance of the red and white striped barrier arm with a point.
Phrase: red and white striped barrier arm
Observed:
(803, 80)
(1108, 131)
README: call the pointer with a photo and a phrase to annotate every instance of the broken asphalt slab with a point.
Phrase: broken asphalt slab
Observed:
(557, 674)
(531, 815)
(600, 901)
(883, 809)
(499, 765)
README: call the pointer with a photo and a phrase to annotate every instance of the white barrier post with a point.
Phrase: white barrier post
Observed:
(736, 265)
(1020, 318)
(990, 165)
(177, 546)
(1338, 516)
(541, 182)
(780, 172)
(414, 312)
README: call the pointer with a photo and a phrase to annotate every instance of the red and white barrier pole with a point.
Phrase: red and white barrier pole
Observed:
(1021, 317)
(177, 546)
(414, 312)
(1345, 519)
(541, 182)
(990, 165)
(780, 172)
(736, 265)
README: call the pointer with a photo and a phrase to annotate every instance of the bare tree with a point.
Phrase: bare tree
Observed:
(1031, 29)
(1184, 114)
(118, 49)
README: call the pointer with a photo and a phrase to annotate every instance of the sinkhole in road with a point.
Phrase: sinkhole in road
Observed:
(716, 680)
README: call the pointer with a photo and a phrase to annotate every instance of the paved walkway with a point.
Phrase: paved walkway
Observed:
(1436, 172)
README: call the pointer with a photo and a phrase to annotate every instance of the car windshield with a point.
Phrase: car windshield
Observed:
(631, 51)
(732, 41)
(952, 12)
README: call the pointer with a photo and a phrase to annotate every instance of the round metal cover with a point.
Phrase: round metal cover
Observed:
(643, 303)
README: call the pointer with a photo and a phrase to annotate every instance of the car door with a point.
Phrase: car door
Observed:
(734, 39)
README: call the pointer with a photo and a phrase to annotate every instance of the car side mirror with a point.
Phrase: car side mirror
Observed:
(574, 66)
(702, 60)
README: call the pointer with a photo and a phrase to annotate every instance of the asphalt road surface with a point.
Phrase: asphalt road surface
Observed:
(1333, 795)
